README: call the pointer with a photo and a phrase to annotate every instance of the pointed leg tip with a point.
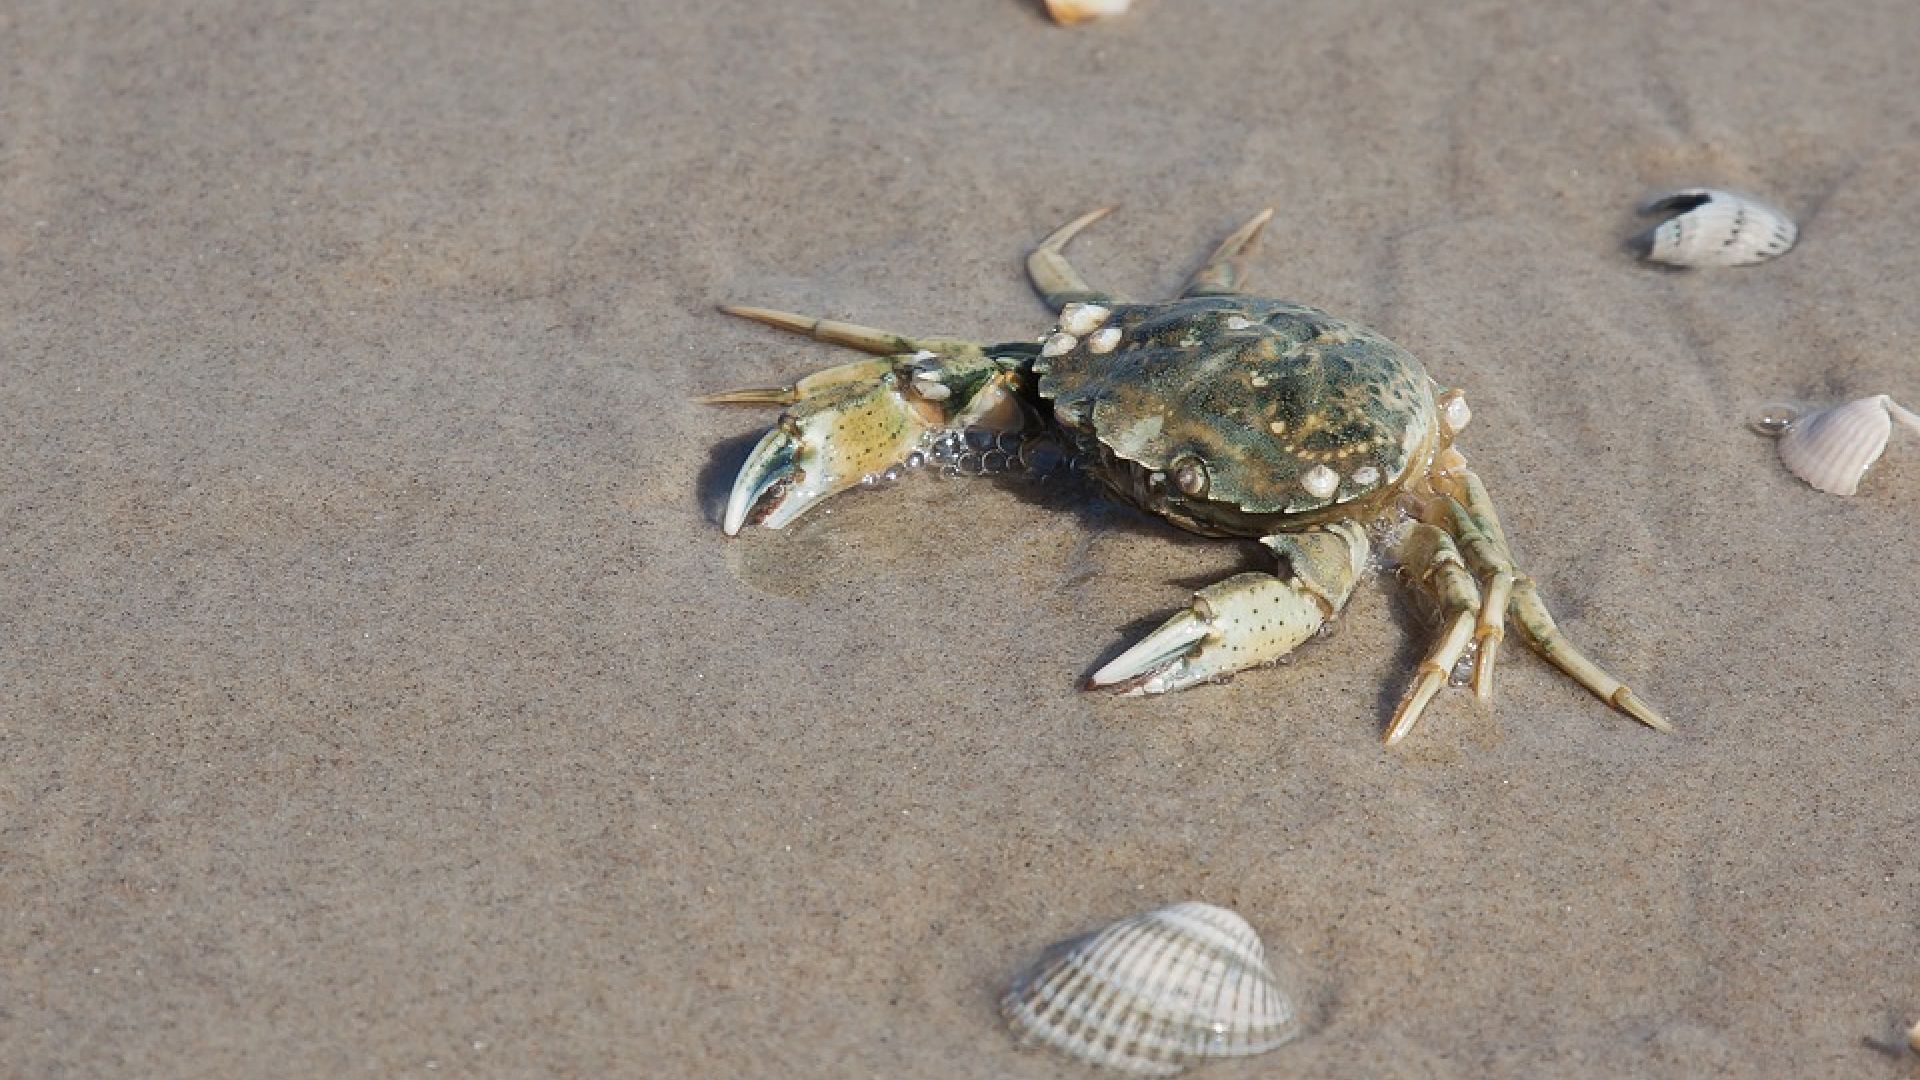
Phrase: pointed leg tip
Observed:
(1483, 669)
(774, 317)
(768, 395)
(747, 311)
(1483, 687)
(1401, 726)
(1065, 233)
(1627, 703)
(1414, 705)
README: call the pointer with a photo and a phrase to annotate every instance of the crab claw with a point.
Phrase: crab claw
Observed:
(1232, 625)
(826, 443)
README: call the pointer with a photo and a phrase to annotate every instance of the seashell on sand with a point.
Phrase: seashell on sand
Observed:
(1714, 228)
(1155, 994)
(1833, 448)
(1069, 12)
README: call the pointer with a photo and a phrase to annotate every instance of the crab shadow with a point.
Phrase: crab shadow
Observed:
(716, 477)
(1413, 620)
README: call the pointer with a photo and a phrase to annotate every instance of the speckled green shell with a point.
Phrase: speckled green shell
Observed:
(1257, 393)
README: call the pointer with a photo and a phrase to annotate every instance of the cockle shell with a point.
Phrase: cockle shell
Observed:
(1715, 228)
(1068, 12)
(1833, 448)
(1155, 994)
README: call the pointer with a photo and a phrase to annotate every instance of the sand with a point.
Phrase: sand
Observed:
(379, 697)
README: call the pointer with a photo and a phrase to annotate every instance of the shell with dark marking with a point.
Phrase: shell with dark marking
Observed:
(1715, 228)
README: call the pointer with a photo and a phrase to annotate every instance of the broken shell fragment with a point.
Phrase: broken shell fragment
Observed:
(1155, 994)
(1714, 228)
(1069, 12)
(1833, 448)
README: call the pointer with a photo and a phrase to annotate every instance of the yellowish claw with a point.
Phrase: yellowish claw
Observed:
(826, 443)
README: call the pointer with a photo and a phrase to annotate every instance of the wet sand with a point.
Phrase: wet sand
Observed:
(378, 695)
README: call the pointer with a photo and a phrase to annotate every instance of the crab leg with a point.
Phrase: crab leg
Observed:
(1429, 556)
(1248, 619)
(838, 375)
(1477, 528)
(1538, 629)
(1059, 283)
(852, 335)
(1486, 551)
(1226, 267)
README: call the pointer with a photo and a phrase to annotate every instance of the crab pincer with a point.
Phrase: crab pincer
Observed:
(1248, 619)
(851, 423)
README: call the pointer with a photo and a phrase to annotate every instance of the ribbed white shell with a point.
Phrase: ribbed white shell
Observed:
(1832, 449)
(1716, 228)
(1155, 994)
(1068, 12)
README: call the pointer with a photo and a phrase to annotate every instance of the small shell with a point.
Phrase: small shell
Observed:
(1833, 448)
(1155, 994)
(1715, 228)
(1068, 12)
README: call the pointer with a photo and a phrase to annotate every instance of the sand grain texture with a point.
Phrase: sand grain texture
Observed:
(379, 697)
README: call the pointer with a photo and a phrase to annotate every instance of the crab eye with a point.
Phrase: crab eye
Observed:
(1190, 476)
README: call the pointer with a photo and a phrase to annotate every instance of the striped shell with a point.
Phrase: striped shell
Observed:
(1715, 228)
(1155, 994)
(1833, 448)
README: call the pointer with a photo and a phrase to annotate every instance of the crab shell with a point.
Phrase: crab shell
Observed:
(1237, 416)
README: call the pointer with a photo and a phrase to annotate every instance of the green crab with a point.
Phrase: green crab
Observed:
(1228, 415)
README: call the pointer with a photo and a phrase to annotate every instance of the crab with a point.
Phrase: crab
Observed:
(1227, 414)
